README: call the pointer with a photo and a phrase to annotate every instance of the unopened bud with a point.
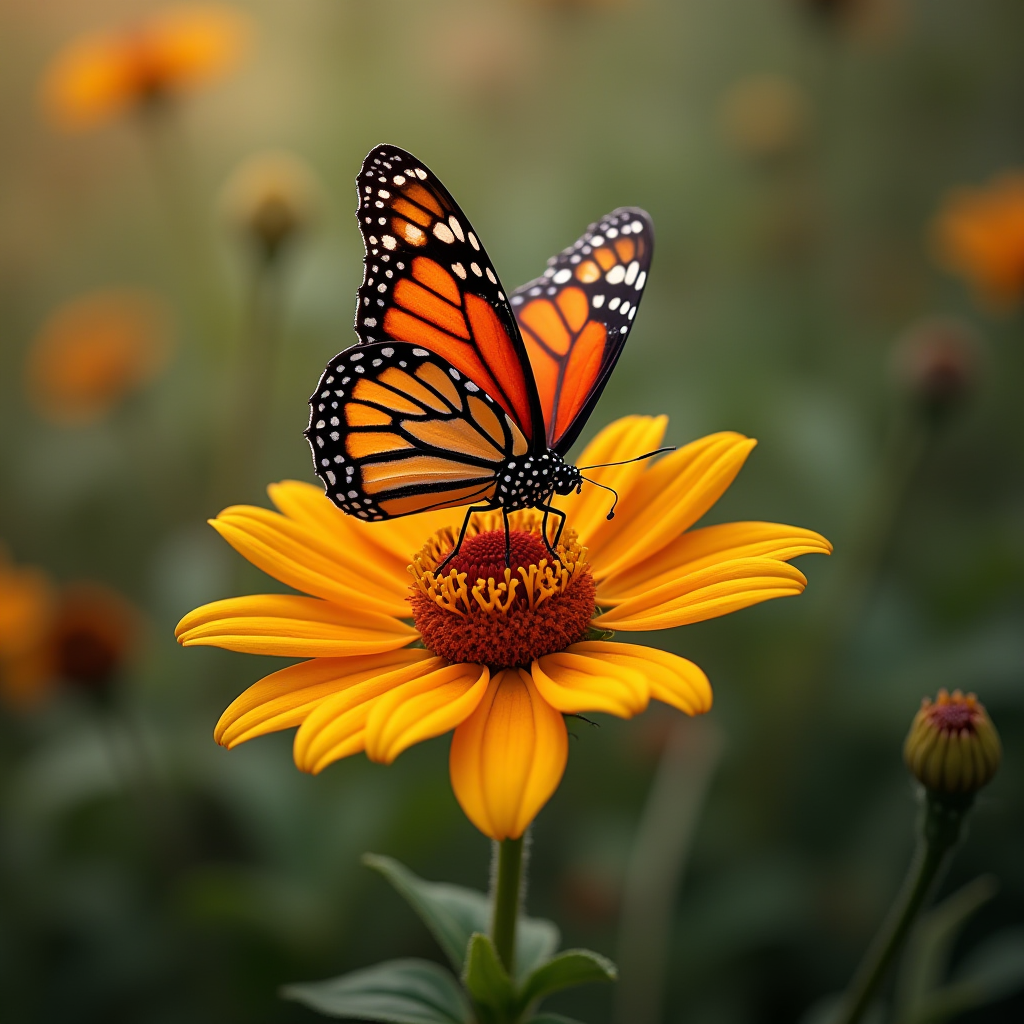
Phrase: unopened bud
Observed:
(952, 746)
(937, 364)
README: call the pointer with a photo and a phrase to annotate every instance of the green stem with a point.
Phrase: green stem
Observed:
(938, 834)
(508, 878)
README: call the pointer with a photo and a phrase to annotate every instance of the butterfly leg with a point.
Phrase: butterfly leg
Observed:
(465, 526)
(551, 510)
(508, 538)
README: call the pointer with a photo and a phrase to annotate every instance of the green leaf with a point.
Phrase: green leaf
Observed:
(568, 969)
(453, 914)
(487, 981)
(927, 957)
(536, 941)
(992, 971)
(552, 1018)
(395, 992)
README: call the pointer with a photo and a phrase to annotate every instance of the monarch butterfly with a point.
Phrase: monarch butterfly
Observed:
(456, 394)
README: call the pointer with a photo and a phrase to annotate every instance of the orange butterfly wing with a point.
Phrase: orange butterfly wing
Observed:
(395, 429)
(575, 317)
(429, 282)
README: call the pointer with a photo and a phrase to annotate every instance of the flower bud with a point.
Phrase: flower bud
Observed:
(952, 746)
(937, 362)
(94, 635)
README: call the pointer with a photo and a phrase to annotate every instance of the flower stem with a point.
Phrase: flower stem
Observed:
(938, 833)
(506, 899)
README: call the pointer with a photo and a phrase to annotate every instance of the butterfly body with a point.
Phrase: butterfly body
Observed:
(457, 394)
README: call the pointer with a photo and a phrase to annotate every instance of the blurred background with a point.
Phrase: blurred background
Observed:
(837, 191)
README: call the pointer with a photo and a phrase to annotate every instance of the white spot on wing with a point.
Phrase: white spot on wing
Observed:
(443, 233)
(562, 276)
(631, 272)
(457, 228)
(460, 270)
(641, 280)
(597, 301)
(616, 274)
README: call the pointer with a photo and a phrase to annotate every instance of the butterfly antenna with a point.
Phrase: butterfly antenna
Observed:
(639, 458)
(611, 511)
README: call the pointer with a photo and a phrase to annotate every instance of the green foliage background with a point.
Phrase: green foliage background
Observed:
(779, 289)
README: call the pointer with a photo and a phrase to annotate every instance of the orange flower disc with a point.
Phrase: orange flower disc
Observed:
(504, 616)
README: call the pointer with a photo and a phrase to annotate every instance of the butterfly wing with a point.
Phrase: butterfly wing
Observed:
(575, 317)
(429, 282)
(396, 429)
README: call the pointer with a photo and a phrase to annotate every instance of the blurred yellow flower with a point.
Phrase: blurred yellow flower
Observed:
(764, 116)
(979, 234)
(497, 654)
(93, 352)
(103, 74)
(26, 610)
(270, 200)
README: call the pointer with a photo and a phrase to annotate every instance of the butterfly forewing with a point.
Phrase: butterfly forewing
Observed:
(575, 318)
(429, 282)
(396, 429)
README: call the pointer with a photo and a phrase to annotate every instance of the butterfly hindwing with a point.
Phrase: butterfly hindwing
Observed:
(396, 429)
(574, 319)
(429, 282)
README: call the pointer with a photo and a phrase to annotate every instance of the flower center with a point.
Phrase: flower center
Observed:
(480, 610)
(953, 713)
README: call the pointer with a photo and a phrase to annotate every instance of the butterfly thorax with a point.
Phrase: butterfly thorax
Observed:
(531, 480)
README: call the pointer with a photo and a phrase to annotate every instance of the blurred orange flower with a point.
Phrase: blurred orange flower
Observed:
(81, 636)
(979, 234)
(102, 74)
(93, 352)
(26, 609)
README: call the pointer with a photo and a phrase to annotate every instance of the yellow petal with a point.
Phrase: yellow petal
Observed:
(291, 626)
(706, 594)
(423, 708)
(669, 498)
(624, 439)
(585, 679)
(285, 698)
(672, 680)
(508, 757)
(336, 728)
(311, 561)
(390, 544)
(699, 549)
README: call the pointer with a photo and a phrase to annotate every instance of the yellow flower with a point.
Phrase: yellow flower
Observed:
(92, 353)
(497, 654)
(100, 75)
(979, 233)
